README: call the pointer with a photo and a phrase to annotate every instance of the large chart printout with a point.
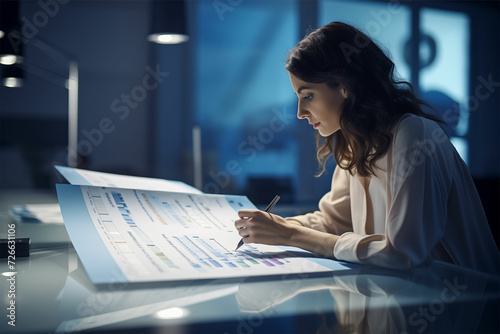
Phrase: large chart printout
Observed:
(128, 235)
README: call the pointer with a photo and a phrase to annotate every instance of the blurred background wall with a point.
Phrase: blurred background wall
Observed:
(139, 101)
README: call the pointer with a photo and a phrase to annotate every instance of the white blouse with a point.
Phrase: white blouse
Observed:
(421, 204)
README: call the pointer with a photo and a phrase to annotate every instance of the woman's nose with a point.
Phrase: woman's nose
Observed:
(301, 112)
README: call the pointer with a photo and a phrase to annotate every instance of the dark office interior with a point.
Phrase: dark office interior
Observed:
(142, 107)
(229, 80)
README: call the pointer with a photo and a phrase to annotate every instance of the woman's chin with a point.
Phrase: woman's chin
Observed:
(325, 134)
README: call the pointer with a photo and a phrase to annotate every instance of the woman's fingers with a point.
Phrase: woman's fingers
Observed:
(257, 226)
(253, 219)
(250, 213)
(240, 223)
(247, 227)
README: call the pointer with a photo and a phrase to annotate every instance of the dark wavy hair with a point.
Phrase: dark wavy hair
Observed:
(338, 53)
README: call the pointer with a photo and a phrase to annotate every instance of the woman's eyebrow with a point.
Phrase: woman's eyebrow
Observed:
(301, 88)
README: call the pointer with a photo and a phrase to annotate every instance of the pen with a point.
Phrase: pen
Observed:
(268, 209)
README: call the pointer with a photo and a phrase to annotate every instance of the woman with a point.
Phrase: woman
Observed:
(400, 193)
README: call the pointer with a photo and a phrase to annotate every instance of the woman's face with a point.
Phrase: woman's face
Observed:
(319, 104)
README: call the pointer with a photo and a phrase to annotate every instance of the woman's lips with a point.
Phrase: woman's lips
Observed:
(315, 125)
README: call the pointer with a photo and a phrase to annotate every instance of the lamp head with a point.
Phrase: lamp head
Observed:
(168, 22)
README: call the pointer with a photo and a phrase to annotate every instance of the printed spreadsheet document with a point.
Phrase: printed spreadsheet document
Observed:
(132, 235)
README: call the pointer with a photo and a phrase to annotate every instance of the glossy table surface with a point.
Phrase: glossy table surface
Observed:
(54, 295)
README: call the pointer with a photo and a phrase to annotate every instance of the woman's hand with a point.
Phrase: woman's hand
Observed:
(261, 227)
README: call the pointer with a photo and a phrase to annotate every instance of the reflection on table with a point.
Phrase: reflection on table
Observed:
(54, 294)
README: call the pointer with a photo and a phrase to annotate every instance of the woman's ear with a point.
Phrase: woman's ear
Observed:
(344, 92)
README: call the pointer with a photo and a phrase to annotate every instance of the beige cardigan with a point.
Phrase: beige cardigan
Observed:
(421, 204)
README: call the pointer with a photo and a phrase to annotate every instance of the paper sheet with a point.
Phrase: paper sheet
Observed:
(129, 235)
(92, 178)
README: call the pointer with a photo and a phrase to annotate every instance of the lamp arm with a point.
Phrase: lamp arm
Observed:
(73, 114)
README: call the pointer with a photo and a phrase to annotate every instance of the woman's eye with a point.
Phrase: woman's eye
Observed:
(308, 97)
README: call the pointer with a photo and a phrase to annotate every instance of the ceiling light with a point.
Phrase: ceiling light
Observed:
(12, 76)
(168, 38)
(168, 22)
(9, 59)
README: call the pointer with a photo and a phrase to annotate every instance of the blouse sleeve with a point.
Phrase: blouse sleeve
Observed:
(417, 203)
(334, 215)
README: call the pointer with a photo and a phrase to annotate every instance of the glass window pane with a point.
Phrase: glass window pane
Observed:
(386, 23)
(444, 82)
(243, 90)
